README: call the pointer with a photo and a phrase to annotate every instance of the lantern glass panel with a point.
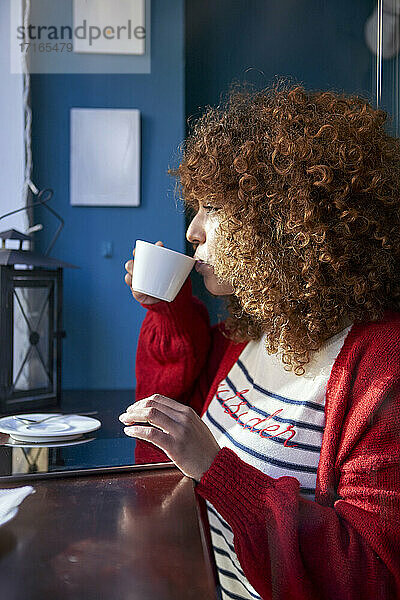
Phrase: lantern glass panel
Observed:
(32, 357)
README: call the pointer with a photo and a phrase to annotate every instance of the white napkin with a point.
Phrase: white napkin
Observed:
(11, 499)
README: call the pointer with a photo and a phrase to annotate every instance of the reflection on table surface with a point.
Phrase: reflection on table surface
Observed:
(7, 440)
(106, 448)
(135, 535)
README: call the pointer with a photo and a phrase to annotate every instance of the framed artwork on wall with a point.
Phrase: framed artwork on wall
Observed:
(104, 27)
(105, 157)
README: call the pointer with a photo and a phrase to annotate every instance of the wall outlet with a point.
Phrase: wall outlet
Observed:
(107, 249)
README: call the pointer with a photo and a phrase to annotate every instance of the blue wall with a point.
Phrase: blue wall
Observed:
(100, 316)
(318, 42)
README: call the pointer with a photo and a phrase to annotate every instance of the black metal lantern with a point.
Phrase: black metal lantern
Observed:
(30, 327)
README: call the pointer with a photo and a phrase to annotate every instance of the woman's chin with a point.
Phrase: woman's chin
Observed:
(215, 287)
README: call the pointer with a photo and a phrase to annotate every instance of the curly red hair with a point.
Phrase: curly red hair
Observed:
(308, 189)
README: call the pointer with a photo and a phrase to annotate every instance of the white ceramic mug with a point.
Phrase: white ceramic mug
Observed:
(159, 271)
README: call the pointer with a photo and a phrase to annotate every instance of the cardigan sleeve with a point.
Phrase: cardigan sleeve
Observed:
(173, 345)
(291, 548)
(177, 356)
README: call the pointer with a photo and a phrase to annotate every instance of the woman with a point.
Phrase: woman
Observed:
(286, 415)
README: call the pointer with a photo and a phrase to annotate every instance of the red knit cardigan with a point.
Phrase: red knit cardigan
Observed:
(343, 545)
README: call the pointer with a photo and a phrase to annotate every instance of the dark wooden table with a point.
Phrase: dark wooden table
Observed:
(133, 536)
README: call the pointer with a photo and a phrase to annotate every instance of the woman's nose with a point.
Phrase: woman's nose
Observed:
(195, 233)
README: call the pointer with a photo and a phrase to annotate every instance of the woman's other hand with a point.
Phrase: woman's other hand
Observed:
(174, 428)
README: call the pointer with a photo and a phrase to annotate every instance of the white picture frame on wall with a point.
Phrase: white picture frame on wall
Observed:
(104, 157)
(109, 26)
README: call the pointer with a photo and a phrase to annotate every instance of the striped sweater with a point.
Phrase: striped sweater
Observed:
(273, 420)
(344, 543)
